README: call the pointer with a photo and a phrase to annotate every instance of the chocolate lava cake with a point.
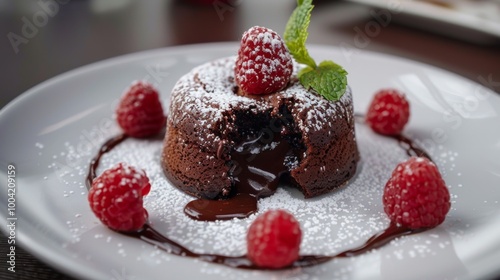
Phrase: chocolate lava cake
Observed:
(220, 142)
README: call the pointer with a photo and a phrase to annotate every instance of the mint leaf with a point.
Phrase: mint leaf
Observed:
(328, 79)
(296, 33)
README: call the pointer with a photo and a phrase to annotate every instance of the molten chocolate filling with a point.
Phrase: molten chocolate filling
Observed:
(257, 166)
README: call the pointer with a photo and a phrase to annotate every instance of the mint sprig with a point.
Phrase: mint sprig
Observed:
(296, 33)
(328, 79)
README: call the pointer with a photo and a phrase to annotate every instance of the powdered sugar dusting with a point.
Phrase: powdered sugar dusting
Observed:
(208, 91)
(330, 223)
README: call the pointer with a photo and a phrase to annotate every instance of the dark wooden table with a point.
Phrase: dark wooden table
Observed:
(39, 42)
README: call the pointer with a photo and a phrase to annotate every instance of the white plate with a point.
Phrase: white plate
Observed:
(477, 21)
(50, 132)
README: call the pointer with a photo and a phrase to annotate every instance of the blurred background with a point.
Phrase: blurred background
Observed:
(40, 39)
(43, 38)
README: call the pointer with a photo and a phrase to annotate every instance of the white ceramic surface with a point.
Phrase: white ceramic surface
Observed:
(50, 132)
(476, 21)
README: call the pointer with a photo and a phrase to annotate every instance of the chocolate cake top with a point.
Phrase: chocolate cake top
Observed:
(202, 98)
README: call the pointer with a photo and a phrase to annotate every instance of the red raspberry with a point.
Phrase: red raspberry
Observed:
(416, 195)
(389, 112)
(264, 64)
(273, 239)
(116, 197)
(139, 112)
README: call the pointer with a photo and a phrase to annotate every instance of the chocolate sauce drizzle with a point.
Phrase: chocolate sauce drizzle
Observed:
(153, 237)
(253, 176)
(94, 163)
(242, 205)
(406, 143)
(239, 206)
(411, 148)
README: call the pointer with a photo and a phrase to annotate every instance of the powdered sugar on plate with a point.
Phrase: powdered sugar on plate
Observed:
(331, 223)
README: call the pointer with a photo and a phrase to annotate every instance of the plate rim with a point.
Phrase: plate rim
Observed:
(421, 10)
(36, 249)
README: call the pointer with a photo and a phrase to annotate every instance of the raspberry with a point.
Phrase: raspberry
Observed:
(389, 112)
(273, 239)
(116, 197)
(139, 112)
(264, 64)
(416, 195)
